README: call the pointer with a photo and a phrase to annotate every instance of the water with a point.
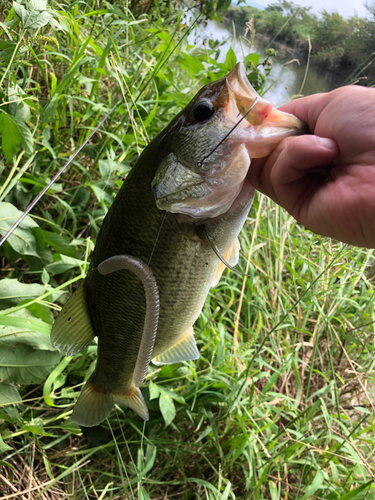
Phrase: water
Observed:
(285, 79)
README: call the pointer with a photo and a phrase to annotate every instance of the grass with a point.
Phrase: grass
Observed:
(280, 403)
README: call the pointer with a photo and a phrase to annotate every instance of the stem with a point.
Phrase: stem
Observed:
(12, 59)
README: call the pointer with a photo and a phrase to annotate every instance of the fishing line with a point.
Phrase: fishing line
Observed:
(202, 231)
(157, 237)
(54, 179)
(200, 163)
(66, 165)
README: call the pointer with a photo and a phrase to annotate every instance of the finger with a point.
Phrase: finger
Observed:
(307, 109)
(284, 173)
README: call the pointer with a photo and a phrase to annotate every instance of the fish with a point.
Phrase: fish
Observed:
(153, 262)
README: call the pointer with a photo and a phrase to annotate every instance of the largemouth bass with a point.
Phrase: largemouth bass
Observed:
(153, 266)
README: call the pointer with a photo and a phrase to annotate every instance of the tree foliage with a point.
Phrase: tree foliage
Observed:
(345, 45)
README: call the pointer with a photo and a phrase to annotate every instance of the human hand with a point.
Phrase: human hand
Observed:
(326, 181)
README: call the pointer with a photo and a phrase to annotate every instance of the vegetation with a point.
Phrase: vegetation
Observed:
(342, 45)
(280, 403)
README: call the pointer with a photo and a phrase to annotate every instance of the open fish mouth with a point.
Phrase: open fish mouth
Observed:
(206, 169)
(245, 102)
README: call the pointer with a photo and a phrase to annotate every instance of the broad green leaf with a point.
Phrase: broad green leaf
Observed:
(26, 365)
(230, 59)
(71, 427)
(59, 243)
(12, 292)
(22, 240)
(193, 65)
(40, 311)
(167, 408)
(171, 394)
(9, 393)
(154, 390)
(254, 58)
(18, 109)
(23, 333)
(35, 16)
(3, 446)
(64, 264)
(14, 131)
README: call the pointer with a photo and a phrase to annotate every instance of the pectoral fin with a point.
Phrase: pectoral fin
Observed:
(184, 349)
(72, 330)
(232, 256)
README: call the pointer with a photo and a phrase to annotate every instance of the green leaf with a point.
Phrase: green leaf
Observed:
(192, 64)
(12, 336)
(40, 311)
(254, 58)
(14, 131)
(12, 292)
(36, 427)
(167, 408)
(9, 393)
(64, 264)
(171, 394)
(19, 321)
(356, 490)
(59, 243)
(3, 446)
(35, 16)
(230, 59)
(18, 109)
(154, 390)
(314, 486)
(26, 365)
(22, 240)
(56, 380)
(71, 427)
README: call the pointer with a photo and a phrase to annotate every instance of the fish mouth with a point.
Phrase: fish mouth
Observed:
(255, 111)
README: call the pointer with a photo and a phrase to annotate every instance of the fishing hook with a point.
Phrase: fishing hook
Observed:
(200, 163)
(202, 232)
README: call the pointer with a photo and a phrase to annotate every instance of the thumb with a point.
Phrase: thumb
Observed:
(291, 161)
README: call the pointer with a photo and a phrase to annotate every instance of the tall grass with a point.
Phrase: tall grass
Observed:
(280, 403)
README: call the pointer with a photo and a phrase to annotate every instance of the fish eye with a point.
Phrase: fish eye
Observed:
(203, 111)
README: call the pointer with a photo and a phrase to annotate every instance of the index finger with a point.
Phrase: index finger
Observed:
(307, 108)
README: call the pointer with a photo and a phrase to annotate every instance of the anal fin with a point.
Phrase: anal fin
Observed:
(134, 400)
(184, 349)
(72, 329)
(92, 406)
(232, 256)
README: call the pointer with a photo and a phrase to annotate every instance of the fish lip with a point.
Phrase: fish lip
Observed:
(239, 71)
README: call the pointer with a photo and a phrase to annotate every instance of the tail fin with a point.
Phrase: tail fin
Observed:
(94, 406)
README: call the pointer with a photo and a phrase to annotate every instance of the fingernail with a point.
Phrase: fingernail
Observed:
(327, 143)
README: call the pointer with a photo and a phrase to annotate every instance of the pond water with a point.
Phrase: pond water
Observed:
(286, 78)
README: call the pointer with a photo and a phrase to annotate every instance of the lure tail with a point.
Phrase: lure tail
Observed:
(93, 406)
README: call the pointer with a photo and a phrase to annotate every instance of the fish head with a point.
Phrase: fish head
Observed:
(211, 144)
